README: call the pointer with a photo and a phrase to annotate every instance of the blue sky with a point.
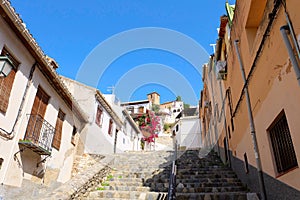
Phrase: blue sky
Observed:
(72, 31)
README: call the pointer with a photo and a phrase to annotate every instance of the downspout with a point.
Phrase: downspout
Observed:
(252, 127)
(288, 45)
(213, 119)
(290, 25)
(10, 134)
(225, 121)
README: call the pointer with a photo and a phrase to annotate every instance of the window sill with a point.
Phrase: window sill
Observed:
(278, 175)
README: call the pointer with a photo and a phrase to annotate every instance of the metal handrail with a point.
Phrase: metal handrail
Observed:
(172, 179)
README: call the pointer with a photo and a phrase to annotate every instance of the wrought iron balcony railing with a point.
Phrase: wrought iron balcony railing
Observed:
(39, 135)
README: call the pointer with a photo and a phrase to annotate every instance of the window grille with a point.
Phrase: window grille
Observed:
(282, 145)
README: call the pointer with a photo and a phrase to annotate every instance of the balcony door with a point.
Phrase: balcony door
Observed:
(36, 118)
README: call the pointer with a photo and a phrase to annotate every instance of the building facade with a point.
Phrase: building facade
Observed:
(39, 120)
(249, 108)
(110, 128)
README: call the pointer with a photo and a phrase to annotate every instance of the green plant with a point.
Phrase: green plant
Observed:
(120, 176)
(110, 177)
(100, 188)
(105, 184)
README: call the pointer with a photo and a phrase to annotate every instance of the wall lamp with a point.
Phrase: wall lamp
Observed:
(6, 65)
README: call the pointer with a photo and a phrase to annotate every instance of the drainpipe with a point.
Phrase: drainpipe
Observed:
(213, 118)
(288, 45)
(10, 134)
(252, 127)
(289, 23)
(223, 99)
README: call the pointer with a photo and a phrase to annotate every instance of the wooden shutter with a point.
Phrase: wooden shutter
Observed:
(5, 89)
(74, 132)
(98, 116)
(37, 114)
(58, 129)
(110, 127)
(6, 83)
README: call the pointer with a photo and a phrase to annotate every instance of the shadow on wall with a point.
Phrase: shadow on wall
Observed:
(30, 163)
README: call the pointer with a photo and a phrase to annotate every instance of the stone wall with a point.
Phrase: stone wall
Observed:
(81, 184)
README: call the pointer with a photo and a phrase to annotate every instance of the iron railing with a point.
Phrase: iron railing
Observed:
(172, 179)
(39, 132)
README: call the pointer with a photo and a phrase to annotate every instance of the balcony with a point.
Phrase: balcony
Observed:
(38, 136)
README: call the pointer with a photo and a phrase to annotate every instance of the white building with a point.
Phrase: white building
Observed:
(137, 107)
(110, 128)
(188, 132)
(39, 119)
(171, 110)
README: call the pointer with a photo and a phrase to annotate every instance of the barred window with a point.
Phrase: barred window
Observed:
(282, 145)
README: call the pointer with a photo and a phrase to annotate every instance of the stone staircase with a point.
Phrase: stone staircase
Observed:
(201, 179)
(129, 174)
(145, 175)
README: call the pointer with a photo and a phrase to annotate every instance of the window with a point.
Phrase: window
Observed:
(246, 164)
(74, 132)
(58, 129)
(282, 145)
(38, 111)
(125, 127)
(130, 109)
(1, 161)
(255, 16)
(225, 149)
(141, 109)
(98, 120)
(110, 127)
(229, 134)
(7, 82)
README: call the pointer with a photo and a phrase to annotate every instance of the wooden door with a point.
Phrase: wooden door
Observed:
(36, 118)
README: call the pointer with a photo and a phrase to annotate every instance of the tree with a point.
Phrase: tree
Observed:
(178, 98)
(155, 108)
(185, 105)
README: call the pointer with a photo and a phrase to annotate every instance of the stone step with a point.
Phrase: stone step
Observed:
(126, 180)
(210, 189)
(189, 189)
(126, 188)
(197, 185)
(186, 176)
(198, 174)
(115, 194)
(195, 180)
(212, 196)
(126, 183)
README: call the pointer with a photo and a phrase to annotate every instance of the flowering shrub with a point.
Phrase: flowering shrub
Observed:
(150, 125)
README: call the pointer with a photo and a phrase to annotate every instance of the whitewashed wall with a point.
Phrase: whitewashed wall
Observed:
(11, 172)
(189, 133)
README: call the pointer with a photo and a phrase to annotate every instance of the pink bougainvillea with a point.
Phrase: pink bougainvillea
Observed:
(150, 125)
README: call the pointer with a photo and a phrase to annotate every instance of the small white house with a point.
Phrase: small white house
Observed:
(110, 128)
(187, 131)
(171, 110)
(137, 107)
(39, 119)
